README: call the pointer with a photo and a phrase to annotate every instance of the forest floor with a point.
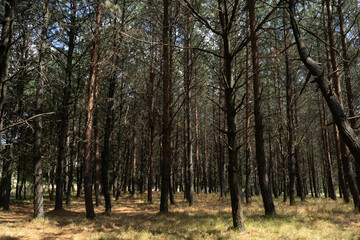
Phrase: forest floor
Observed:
(210, 218)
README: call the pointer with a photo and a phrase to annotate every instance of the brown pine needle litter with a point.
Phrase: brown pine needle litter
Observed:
(210, 218)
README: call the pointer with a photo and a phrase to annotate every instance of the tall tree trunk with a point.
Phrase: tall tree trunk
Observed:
(166, 131)
(347, 77)
(38, 185)
(106, 153)
(342, 152)
(96, 146)
(73, 149)
(151, 89)
(64, 113)
(247, 125)
(89, 116)
(220, 149)
(188, 161)
(233, 167)
(259, 131)
(229, 83)
(109, 127)
(5, 46)
(198, 169)
(205, 163)
(329, 170)
(290, 121)
(20, 87)
(80, 162)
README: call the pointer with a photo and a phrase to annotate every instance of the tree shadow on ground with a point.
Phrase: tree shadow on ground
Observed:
(8, 238)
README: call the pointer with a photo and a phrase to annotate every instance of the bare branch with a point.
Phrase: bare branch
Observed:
(26, 120)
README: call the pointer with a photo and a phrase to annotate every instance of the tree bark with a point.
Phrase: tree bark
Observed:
(151, 123)
(133, 175)
(259, 131)
(341, 152)
(106, 152)
(188, 160)
(96, 146)
(64, 113)
(166, 131)
(89, 115)
(349, 175)
(198, 168)
(290, 122)
(38, 185)
(5, 47)
(247, 125)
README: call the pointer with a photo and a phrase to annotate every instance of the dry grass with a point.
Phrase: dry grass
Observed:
(210, 218)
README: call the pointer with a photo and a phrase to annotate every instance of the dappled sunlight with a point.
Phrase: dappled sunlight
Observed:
(209, 218)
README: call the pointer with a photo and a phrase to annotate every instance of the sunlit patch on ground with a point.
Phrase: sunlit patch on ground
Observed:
(210, 218)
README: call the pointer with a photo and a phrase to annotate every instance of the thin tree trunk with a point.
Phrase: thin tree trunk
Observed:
(290, 122)
(151, 122)
(188, 161)
(133, 175)
(328, 171)
(64, 114)
(336, 83)
(73, 149)
(247, 126)
(197, 151)
(313, 172)
(109, 127)
(80, 169)
(38, 185)
(260, 152)
(349, 92)
(205, 163)
(96, 146)
(89, 116)
(220, 148)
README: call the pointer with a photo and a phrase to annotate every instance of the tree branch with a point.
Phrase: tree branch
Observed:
(26, 120)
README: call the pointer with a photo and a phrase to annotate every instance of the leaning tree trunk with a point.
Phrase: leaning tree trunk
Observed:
(340, 119)
(259, 128)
